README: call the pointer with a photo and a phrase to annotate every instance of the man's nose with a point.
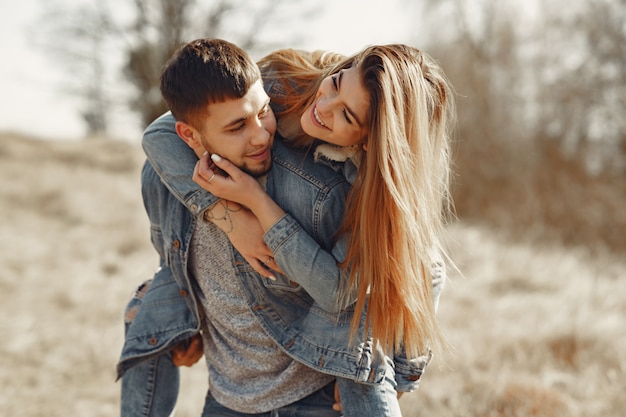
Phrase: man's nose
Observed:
(260, 136)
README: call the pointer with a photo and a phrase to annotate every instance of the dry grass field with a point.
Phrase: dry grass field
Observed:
(537, 330)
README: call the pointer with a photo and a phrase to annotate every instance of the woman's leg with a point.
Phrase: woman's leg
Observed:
(149, 389)
(360, 400)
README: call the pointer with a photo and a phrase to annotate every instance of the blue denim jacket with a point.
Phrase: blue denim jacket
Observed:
(300, 312)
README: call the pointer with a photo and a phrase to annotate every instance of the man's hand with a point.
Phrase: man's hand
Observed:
(337, 404)
(188, 352)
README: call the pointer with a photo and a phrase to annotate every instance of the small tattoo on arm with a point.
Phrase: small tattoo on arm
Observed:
(215, 215)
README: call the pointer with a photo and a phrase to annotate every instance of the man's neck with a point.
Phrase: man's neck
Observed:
(263, 181)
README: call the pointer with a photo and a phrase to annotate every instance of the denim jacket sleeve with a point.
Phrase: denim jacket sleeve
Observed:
(174, 162)
(319, 270)
(306, 262)
(304, 239)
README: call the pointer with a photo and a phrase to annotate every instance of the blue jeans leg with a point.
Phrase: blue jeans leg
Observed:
(360, 400)
(150, 389)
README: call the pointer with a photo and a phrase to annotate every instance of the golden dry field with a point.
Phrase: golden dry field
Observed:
(537, 330)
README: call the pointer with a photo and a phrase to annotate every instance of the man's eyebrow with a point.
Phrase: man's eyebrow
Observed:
(234, 123)
(348, 109)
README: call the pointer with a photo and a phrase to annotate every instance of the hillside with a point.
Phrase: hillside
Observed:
(537, 330)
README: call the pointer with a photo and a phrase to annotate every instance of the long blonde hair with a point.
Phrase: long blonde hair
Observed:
(400, 199)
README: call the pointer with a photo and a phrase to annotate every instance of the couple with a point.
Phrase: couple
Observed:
(345, 285)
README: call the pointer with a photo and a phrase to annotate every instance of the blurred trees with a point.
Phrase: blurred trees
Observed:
(583, 73)
(78, 41)
(541, 92)
(114, 50)
(541, 101)
(161, 25)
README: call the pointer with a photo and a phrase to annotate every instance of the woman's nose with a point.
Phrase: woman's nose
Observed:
(326, 104)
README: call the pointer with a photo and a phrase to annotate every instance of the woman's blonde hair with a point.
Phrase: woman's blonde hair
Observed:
(400, 200)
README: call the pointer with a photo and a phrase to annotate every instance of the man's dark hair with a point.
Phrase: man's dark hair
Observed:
(203, 72)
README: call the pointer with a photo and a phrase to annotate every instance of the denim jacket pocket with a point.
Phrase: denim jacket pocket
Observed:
(282, 283)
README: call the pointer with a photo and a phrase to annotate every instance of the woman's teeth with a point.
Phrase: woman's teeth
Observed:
(317, 117)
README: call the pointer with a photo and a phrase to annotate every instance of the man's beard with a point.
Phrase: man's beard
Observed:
(259, 172)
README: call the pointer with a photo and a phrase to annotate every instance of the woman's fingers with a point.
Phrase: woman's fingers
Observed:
(258, 267)
(204, 172)
(270, 262)
(232, 170)
(205, 166)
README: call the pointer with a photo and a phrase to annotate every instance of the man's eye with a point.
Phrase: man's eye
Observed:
(238, 128)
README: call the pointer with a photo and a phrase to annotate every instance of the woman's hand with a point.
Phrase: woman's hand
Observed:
(239, 187)
(240, 224)
(246, 235)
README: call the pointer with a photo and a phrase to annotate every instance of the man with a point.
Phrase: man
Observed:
(272, 343)
(248, 372)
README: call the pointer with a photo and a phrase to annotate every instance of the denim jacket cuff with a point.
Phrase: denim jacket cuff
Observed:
(409, 372)
(285, 227)
(199, 202)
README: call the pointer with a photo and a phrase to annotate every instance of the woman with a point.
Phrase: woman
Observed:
(391, 108)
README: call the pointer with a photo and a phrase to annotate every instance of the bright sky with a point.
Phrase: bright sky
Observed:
(31, 102)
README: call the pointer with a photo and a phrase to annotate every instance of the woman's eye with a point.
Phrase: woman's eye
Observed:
(334, 80)
(345, 114)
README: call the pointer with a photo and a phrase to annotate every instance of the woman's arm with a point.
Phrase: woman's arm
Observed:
(238, 187)
(315, 267)
(174, 162)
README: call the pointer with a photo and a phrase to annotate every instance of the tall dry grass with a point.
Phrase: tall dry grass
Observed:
(537, 329)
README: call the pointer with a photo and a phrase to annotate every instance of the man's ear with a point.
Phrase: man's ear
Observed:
(188, 134)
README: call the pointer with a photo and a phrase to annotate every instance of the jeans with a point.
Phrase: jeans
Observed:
(360, 400)
(318, 404)
(149, 389)
(357, 400)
